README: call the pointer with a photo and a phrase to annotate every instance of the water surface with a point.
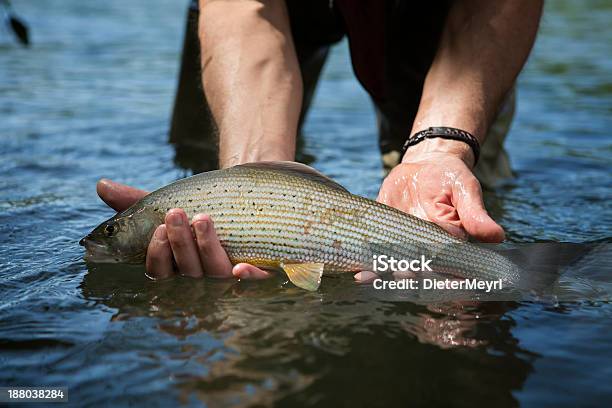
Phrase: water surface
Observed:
(92, 98)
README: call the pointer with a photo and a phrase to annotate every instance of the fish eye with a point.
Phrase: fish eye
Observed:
(109, 230)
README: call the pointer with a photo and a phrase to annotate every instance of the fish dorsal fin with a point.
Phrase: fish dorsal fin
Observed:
(304, 275)
(297, 169)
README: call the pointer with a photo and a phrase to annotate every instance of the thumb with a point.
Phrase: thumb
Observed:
(118, 196)
(474, 217)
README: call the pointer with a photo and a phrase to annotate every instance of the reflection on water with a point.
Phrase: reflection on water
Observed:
(266, 341)
(91, 98)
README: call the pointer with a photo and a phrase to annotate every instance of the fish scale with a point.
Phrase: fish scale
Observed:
(279, 214)
(275, 216)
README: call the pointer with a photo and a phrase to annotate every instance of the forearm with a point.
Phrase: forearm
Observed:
(482, 49)
(251, 79)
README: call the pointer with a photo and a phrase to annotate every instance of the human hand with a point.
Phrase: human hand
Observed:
(435, 182)
(193, 245)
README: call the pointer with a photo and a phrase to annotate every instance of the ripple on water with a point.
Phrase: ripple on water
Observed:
(78, 110)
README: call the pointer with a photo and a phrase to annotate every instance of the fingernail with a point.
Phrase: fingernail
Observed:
(240, 273)
(175, 219)
(202, 226)
(161, 234)
(200, 217)
(365, 276)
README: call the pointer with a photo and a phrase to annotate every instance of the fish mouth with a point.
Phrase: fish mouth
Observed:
(97, 253)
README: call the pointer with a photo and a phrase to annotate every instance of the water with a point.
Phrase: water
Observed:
(92, 99)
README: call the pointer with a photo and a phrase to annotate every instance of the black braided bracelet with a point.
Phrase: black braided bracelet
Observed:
(444, 133)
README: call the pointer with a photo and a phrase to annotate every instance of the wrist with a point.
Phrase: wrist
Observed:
(257, 153)
(440, 148)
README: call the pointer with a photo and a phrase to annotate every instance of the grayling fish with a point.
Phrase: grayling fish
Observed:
(287, 215)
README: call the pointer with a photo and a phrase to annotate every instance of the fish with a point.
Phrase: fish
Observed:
(288, 216)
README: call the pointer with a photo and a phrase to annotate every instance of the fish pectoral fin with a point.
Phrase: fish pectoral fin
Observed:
(304, 275)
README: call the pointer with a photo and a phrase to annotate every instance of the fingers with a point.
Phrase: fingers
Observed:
(195, 248)
(248, 271)
(213, 257)
(450, 225)
(474, 217)
(369, 276)
(452, 229)
(441, 211)
(182, 243)
(159, 255)
(118, 196)
(365, 276)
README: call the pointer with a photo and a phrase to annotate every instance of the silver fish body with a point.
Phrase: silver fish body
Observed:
(277, 214)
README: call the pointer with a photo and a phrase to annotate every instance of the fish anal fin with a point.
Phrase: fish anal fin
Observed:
(304, 275)
(299, 169)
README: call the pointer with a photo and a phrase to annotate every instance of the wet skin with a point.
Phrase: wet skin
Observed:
(254, 89)
(193, 244)
(447, 194)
